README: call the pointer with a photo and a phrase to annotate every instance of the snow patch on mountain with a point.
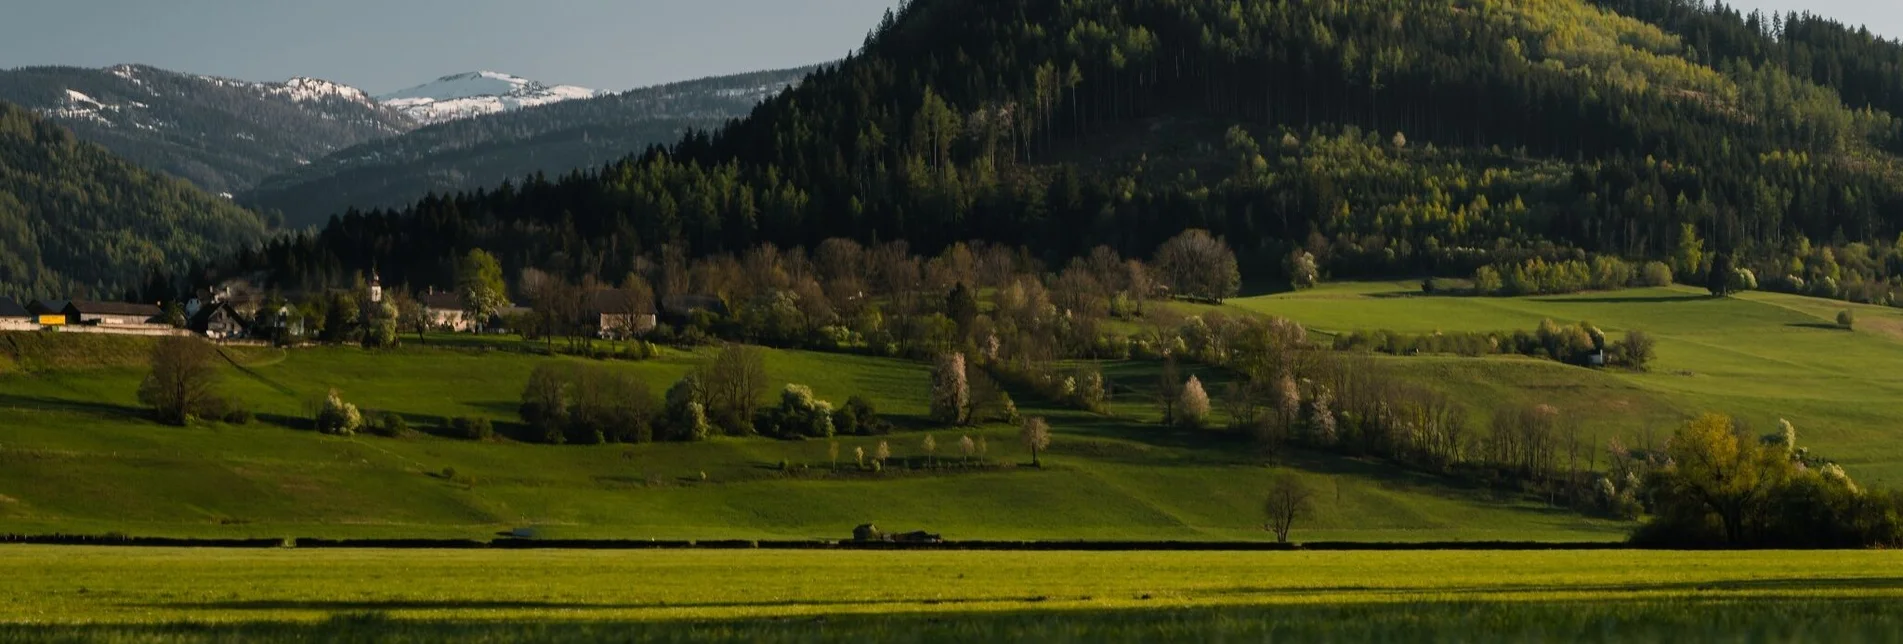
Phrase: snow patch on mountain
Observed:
(81, 107)
(475, 94)
(303, 89)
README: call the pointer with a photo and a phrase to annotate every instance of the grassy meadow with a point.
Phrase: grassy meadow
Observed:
(1758, 356)
(77, 455)
(168, 595)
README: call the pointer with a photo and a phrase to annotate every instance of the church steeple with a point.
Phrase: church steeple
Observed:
(376, 287)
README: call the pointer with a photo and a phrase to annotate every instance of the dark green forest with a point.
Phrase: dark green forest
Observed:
(74, 219)
(1388, 137)
(467, 154)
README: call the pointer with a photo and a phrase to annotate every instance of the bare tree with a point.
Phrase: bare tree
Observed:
(1198, 265)
(732, 384)
(1169, 389)
(1290, 499)
(183, 382)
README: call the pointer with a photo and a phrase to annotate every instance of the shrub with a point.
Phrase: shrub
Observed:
(337, 417)
(1636, 351)
(685, 415)
(475, 429)
(802, 414)
(1847, 319)
(390, 424)
(1655, 274)
(866, 417)
(236, 414)
(1487, 281)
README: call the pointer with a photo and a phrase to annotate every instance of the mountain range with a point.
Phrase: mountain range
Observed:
(508, 144)
(223, 135)
(476, 93)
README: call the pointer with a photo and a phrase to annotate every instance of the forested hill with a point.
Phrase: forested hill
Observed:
(76, 220)
(223, 135)
(472, 153)
(1389, 137)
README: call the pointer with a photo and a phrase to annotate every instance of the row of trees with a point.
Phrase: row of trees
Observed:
(1580, 344)
(1606, 136)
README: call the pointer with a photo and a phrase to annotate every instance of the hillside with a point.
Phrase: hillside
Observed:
(1388, 138)
(484, 151)
(1117, 475)
(223, 135)
(1106, 477)
(75, 219)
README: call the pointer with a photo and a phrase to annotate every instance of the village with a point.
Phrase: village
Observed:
(236, 312)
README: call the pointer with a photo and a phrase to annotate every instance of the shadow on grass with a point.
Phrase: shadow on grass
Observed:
(1609, 619)
(1822, 326)
(455, 604)
(109, 410)
(1622, 299)
(254, 375)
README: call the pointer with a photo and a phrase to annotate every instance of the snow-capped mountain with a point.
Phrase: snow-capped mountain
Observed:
(223, 134)
(485, 150)
(475, 94)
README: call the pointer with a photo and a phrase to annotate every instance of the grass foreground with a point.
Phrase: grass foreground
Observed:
(195, 595)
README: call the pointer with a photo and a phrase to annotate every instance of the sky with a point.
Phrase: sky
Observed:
(1884, 17)
(387, 45)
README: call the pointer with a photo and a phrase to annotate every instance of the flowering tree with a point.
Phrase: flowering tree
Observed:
(1036, 435)
(1193, 410)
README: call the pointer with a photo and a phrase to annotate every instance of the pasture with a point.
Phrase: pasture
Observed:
(182, 595)
(1758, 356)
(77, 455)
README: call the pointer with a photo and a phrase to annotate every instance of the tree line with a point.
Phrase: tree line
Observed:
(1439, 148)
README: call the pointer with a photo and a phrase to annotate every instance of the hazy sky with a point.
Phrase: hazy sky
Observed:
(386, 45)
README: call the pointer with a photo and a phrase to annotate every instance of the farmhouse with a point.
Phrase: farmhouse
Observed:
(111, 313)
(618, 314)
(445, 311)
(219, 321)
(14, 317)
(49, 312)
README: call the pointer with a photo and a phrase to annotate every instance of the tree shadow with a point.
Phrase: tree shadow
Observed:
(1622, 299)
(1822, 326)
(108, 410)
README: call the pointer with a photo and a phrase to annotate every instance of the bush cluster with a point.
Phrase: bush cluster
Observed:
(1580, 344)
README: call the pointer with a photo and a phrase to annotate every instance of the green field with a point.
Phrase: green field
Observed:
(1758, 356)
(130, 594)
(78, 456)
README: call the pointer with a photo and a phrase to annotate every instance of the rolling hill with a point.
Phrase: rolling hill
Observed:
(1387, 138)
(1110, 477)
(76, 219)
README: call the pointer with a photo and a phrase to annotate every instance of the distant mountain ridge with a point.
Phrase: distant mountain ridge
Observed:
(473, 94)
(555, 138)
(222, 134)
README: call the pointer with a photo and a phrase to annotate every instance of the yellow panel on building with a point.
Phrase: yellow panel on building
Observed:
(52, 320)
